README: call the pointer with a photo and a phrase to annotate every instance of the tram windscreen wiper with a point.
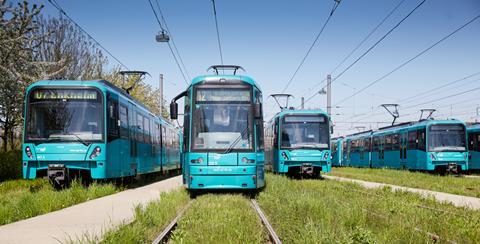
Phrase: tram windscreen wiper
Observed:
(235, 142)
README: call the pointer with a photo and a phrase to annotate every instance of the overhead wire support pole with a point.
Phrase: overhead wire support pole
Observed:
(335, 6)
(60, 9)
(218, 32)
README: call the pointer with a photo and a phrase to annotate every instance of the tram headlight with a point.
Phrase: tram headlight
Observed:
(284, 156)
(246, 160)
(28, 151)
(433, 157)
(95, 153)
(198, 160)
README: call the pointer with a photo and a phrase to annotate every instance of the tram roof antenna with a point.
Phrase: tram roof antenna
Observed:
(430, 111)
(127, 73)
(218, 67)
(278, 96)
(393, 112)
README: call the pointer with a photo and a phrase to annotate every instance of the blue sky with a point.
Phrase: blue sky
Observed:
(269, 39)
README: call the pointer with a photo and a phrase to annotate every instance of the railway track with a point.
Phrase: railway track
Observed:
(166, 233)
(271, 232)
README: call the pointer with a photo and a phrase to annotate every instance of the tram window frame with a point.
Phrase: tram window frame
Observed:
(421, 139)
(412, 140)
(124, 125)
(139, 127)
(388, 143)
(473, 141)
(146, 130)
(112, 118)
(396, 142)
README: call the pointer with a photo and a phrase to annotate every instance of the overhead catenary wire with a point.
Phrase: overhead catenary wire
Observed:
(171, 38)
(372, 47)
(411, 59)
(419, 95)
(169, 46)
(334, 8)
(55, 4)
(218, 32)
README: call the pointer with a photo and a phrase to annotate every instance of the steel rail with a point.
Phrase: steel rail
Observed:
(165, 234)
(271, 232)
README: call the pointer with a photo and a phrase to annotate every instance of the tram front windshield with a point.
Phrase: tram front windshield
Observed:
(447, 138)
(305, 132)
(222, 119)
(64, 115)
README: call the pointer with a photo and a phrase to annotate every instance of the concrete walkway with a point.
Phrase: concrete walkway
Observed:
(91, 218)
(457, 200)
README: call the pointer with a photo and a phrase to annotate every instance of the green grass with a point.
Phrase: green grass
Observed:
(22, 199)
(449, 184)
(217, 218)
(316, 211)
(150, 220)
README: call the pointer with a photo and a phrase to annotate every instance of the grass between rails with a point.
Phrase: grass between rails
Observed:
(217, 218)
(22, 199)
(450, 184)
(315, 211)
(150, 220)
(212, 218)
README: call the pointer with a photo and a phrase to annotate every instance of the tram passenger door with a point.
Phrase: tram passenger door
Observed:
(381, 152)
(132, 119)
(403, 150)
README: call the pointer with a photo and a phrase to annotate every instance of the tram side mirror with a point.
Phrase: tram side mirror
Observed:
(258, 110)
(173, 110)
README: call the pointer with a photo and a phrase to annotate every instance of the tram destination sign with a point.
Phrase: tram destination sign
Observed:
(54, 94)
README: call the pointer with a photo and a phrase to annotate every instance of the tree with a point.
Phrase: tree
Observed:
(17, 68)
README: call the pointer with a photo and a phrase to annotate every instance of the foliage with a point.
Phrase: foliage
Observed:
(150, 220)
(10, 165)
(17, 67)
(22, 199)
(217, 218)
(450, 184)
(316, 211)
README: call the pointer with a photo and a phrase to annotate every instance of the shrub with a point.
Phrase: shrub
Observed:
(10, 165)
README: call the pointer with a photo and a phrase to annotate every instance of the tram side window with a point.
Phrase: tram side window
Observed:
(140, 128)
(473, 141)
(146, 130)
(375, 145)
(395, 142)
(421, 139)
(123, 122)
(388, 143)
(112, 118)
(412, 140)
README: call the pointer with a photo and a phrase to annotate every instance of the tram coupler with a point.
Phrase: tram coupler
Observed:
(57, 173)
(452, 168)
(307, 168)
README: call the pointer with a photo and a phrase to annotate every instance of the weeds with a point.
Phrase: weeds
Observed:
(22, 199)
(315, 211)
(449, 184)
(215, 218)
(149, 221)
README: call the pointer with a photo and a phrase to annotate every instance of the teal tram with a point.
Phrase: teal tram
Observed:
(223, 140)
(336, 146)
(94, 130)
(474, 147)
(297, 143)
(427, 145)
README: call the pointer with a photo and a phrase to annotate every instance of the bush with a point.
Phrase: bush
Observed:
(10, 165)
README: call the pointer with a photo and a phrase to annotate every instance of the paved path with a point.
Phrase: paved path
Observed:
(457, 200)
(92, 217)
